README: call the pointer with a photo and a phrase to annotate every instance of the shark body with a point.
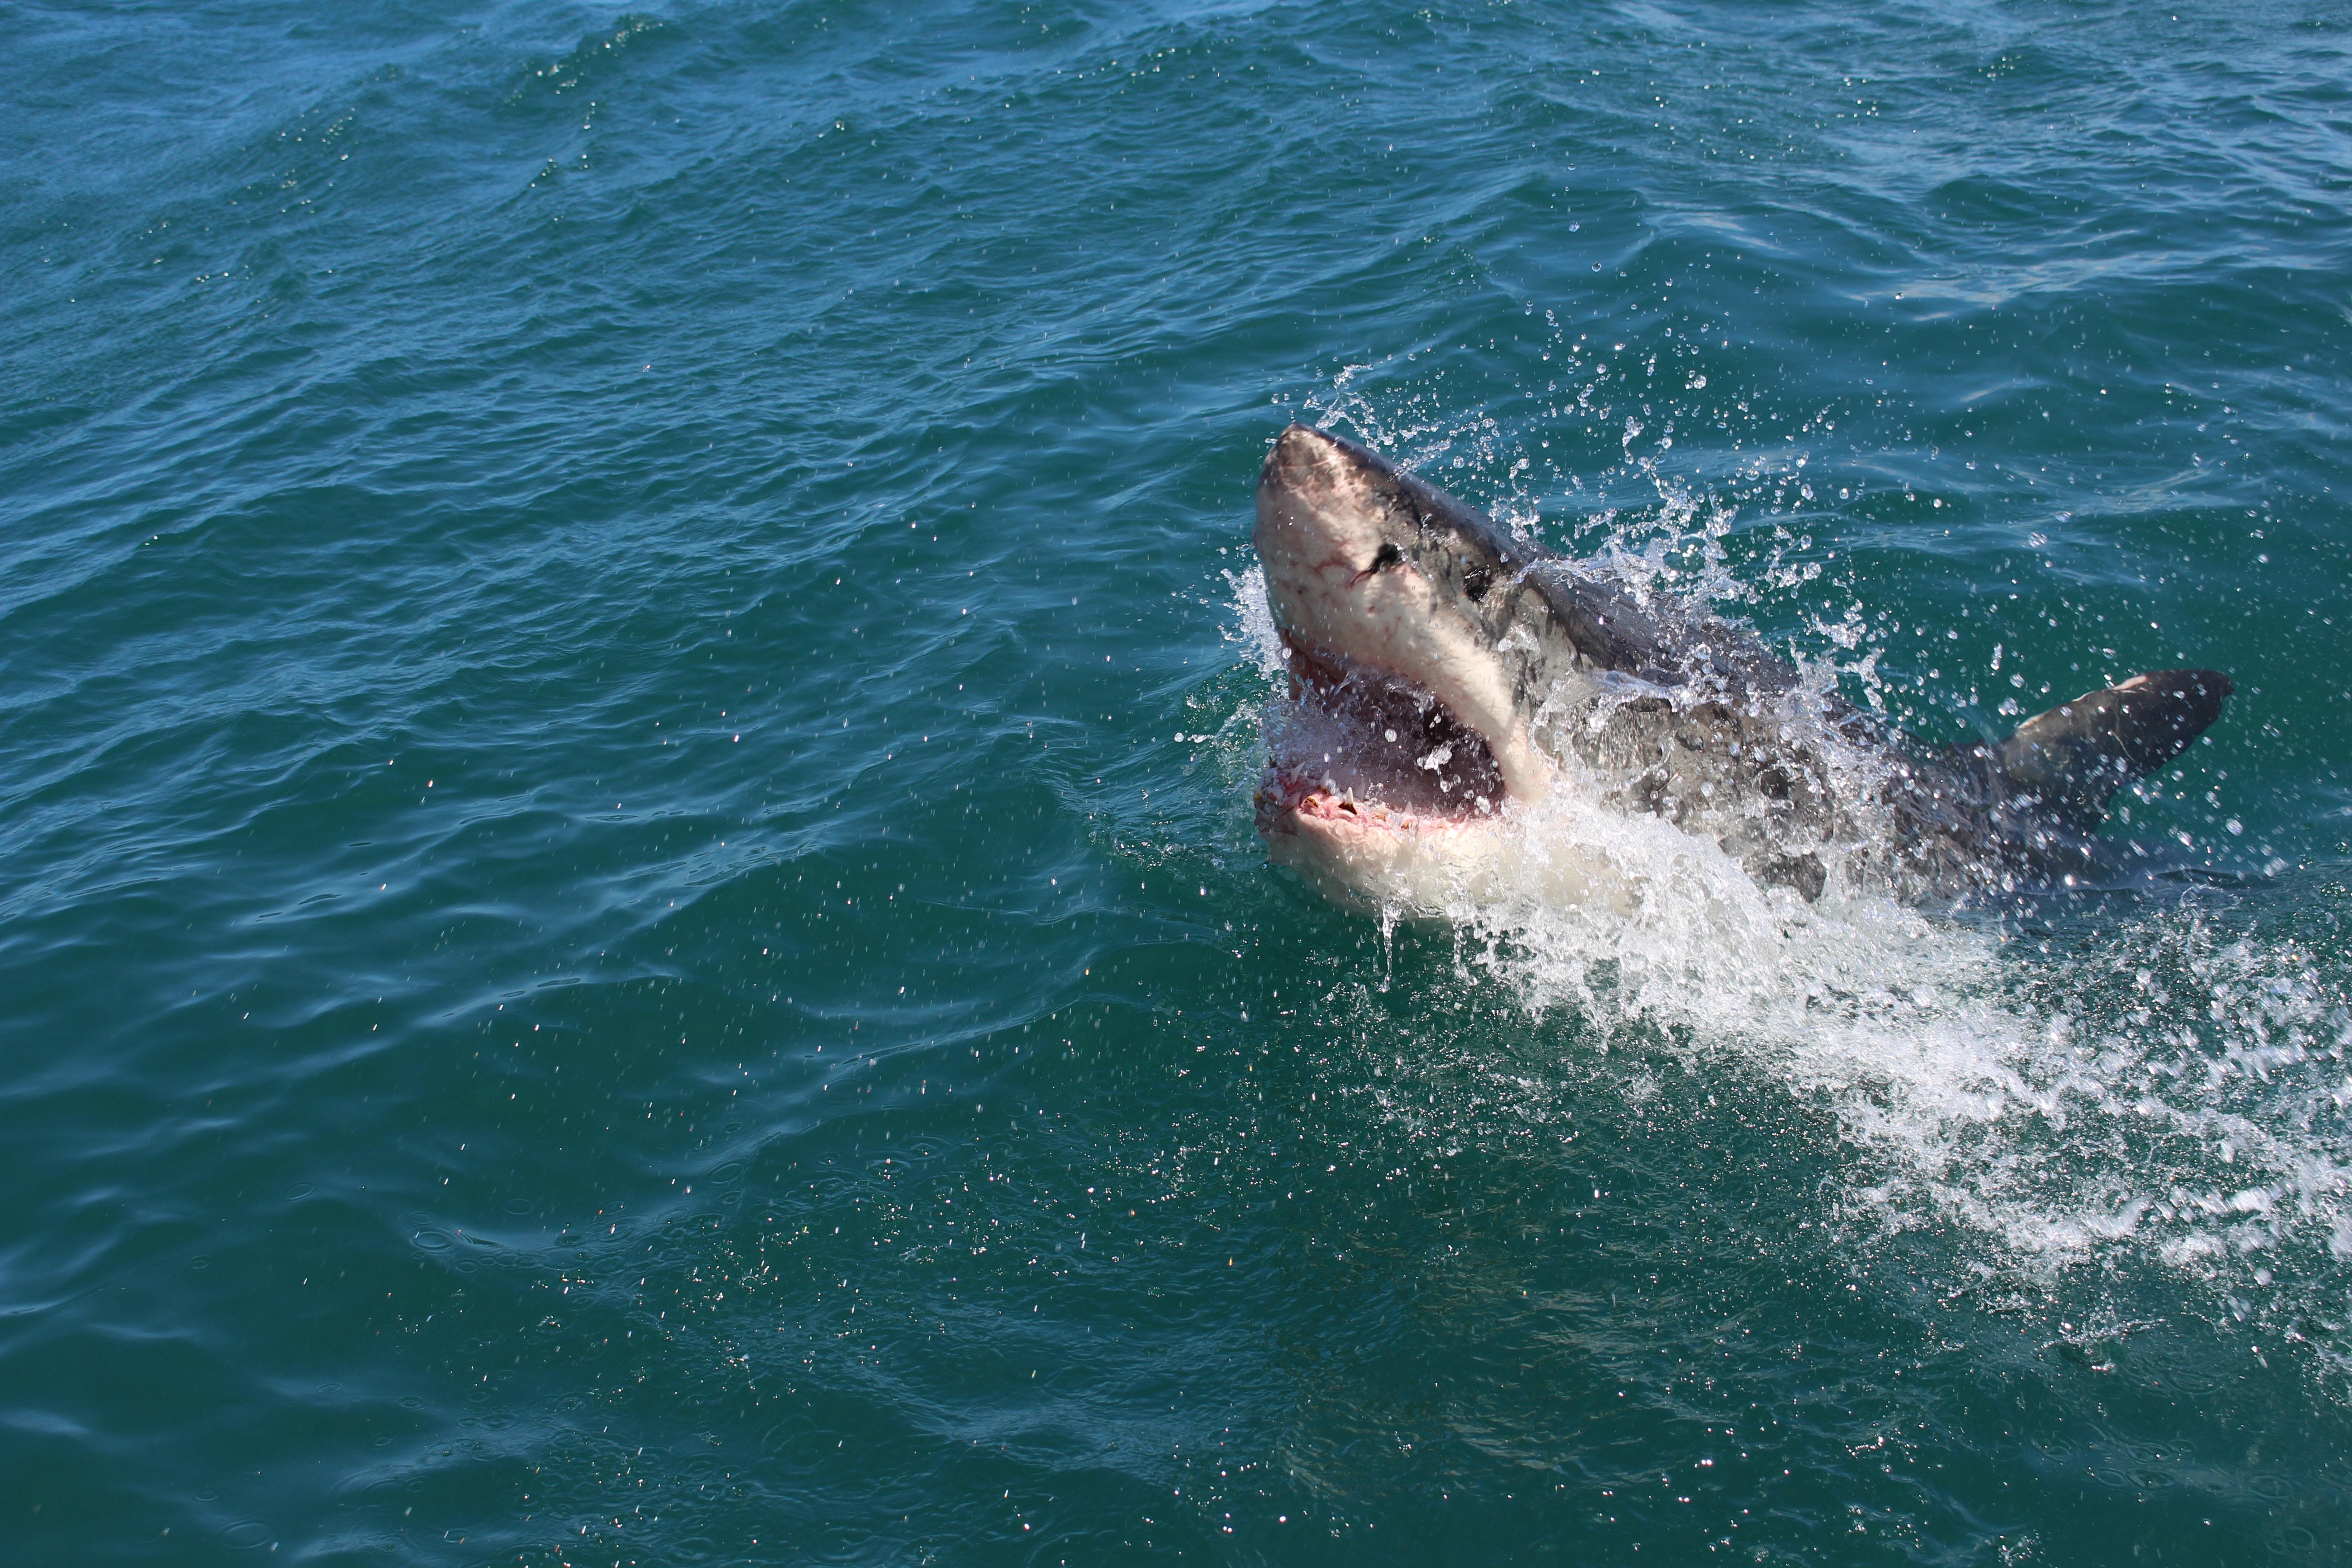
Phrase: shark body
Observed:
(1443, 669)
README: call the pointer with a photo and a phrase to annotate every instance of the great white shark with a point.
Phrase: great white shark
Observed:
(1446, 674)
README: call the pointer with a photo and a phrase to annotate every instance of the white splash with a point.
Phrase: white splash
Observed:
(2170, 1089)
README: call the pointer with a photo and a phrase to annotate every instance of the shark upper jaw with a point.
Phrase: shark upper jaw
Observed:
(1404, 721)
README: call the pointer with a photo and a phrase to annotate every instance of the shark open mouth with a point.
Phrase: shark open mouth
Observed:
(1365, 749)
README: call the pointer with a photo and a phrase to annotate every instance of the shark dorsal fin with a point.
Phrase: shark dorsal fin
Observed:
(2074, 757)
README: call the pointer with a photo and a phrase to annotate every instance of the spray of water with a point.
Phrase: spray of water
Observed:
(2160, 1082)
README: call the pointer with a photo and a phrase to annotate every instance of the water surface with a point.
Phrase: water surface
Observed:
(631, 931)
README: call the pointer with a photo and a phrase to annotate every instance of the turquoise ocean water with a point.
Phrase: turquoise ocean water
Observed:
(629, 926)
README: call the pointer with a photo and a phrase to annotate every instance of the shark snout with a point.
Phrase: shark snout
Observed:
(1317, 494)
(1303, 459)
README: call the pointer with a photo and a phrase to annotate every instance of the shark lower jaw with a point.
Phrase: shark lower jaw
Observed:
(1363, 759)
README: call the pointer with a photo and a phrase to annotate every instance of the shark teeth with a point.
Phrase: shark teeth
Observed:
(1285, 800)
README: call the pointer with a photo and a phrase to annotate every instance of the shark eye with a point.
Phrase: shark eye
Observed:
(1477, 578)
(1386, 556)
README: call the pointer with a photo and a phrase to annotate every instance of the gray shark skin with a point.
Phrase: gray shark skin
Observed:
(1442, 669)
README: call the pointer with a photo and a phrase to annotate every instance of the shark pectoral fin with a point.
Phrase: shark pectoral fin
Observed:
(2072, 758)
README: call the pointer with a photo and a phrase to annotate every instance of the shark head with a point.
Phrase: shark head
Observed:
(1410, 729)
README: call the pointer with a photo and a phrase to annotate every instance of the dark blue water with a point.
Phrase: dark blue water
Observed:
(629, 926)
